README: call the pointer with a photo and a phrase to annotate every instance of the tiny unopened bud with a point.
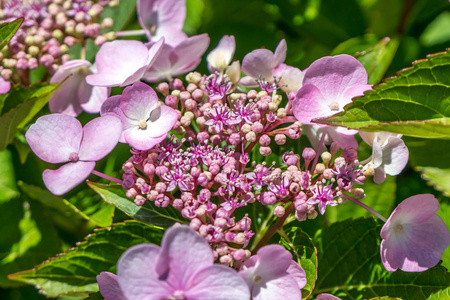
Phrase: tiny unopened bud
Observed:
(261, 94)
(250, 137)
(265, 151)
(326, 157)
(320, 168)
(246, 128)
(358, 193)
(280, 139)
(273, 107)
(279, 211)
(281, 113)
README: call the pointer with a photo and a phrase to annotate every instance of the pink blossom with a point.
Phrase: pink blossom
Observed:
(389, 154)
(163, 18)
(5, 85)
(327, 297)
(272, 274)
(59, 138)
(262, 63)
(414, 237)
(220, 57)
(179, 59)
(122, 62)
(145, 120)
(75, 95)
(182, 268)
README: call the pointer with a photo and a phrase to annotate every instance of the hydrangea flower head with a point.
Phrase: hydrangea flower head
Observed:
(59, 138)
(272, 274)
(414, 237)
(75, 95)
(145, 120)
(122, 62)
(182, 268)
(389, 154)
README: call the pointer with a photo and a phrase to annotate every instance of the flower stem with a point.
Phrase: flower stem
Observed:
(274, 228)
(99, 174)
(369, 209)
(322, 139)
(130, 33)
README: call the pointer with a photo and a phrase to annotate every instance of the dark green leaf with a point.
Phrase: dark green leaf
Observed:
(428, 152)
(415, 103)
(7, 31)
(437, 31)
(148, 213)
(350, 265)
(442, 294)
(20, 107)
(75, 271)
(122, 14)
(304, 253)
(8, 188)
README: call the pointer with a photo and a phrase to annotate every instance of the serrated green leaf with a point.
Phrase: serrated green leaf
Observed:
(304, 253)
(374, 55)
(350, 265)
(442, 294)
(20, 106)
(75, 271)
(415, 103)
(148, 213)
(7, 31)
(380, 197)
(438, 178)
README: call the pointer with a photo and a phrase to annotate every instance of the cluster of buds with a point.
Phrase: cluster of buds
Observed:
(49, 28)
(208, 175)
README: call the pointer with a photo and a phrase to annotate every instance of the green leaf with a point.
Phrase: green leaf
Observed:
(438, 178)
(442, 294)
(304, 253)
(8, 188)
(20, 106)
(374, 55)
(437, 31)
(7, 31)
(428, 152)
(350, 265)
(414, 103)
(122, 14)
(148, 213)
(75, 271)
(380, 197)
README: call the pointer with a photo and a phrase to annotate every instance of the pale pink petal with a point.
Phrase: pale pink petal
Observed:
(67, 177)
(138, 101)
(112, 106)
(183, 252)
(298, 273)
(280, 53)
(161, 121)
(154, 50)
(355, 91)
(119, 62)
(161, 69)
(137, 276)
(66, 99)
(377, 154)
(189, 50)
(284, 287)
(259, 63)
(379, 176)
(54, 137)
(291, 80)
(5, 86)
(343, 140)
(222, 55)
(395, 156)
(416, 209)
(100, 136)
(326, 297)
(268, 268)
(392, 254)
(140, 140)
(217, 282)
(171, 34)
(368, 137)
(146, 15)
(309, 103)
(92, 102)
(108, 285)
(248, 81)
(69, 68)
(334, 75)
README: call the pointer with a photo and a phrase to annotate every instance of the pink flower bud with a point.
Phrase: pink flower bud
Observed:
(225, 260)
(163, 88)
(152, 195)
(171, 101)
(280, 139)
(244, 224)
(46, 60)
(131, 193)
(22, 64)
(160, 187)
(176, 84)
(197, 95)
(190, 104)
(257, 127)
(162, 200)
(178, 204)
(309, 154)
(268, 198)
(252, 94)
(202, 137)
(195, 224)
(240, 238)
(265, 151)
(139, 200)
(239, 255)
(279, 211)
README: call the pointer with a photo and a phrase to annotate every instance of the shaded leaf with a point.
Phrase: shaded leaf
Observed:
(304, 253)
(350, 265)
(20, 106)
(75, 271)
(437, 31)
(8, 188)
(428, 152)
(7, 31)
(148, 213)
(122, 14)
(415, 103)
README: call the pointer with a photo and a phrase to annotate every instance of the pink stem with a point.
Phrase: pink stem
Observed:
(107, 177)
(369, 209)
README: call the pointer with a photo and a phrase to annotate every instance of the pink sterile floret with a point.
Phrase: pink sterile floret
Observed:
(179, 59)
(182, 268)
(272, 274)
(75, 95)
(414, 237)
(59, 138)
(145, 120)
(122, 62)
(163, 19)
(328, 85)
(220, 57)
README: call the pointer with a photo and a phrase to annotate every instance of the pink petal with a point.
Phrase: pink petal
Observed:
(119, 62)
(214, 282)
(355, 91)
(222, 55)
(395, 156)
(284, 287)
(71, 67)
(100, 136)
(259, 63)
(379, 176)
(274, 260)
(171, 34)
(392, 255)
(415, 209)
(292, 79)
(138, 101)
(161, 68)
(54, 137)
(5, 86)
(67, 177)
(161, 121)
(66, 99)
(93, 101)
(309, 103)
(108, 285)
(377, 153)
(154, 50)
(334, 75)
(280, 53)
(248, 81)
(140, 140)
(326, 297)
(112, 107)
(183, 253)
(137, 276)
(298, 273)
(343, 140)
(189, 50)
